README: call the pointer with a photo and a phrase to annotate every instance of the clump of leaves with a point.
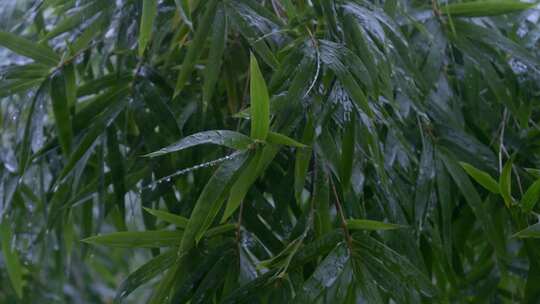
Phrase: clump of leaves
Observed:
(245, 151)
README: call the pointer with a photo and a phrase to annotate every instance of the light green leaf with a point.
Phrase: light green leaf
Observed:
(149, 12)
(481, 177)
(505, 183)
(531, 197)
(362, 224)
(260, 102)
(482, 8)
(179, 221)
(280, 139)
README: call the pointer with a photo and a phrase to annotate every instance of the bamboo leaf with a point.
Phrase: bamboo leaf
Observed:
(179, 221)
(230, 139)
(505, 183)
(137, 239)
(280, 139)
(260, 102)
(362, 224)
(217, 47)
(482, 8)
(62, 116)
(481, 177)
(149, 12)
(532, 231)
(194, 50)
(11, 258)
(145, 273)
(531, 197)
(209, 202)
(38, 52)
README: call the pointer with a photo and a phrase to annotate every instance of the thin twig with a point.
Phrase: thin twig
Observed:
(342, 215)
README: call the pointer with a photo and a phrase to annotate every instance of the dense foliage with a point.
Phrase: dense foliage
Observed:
(269, 151)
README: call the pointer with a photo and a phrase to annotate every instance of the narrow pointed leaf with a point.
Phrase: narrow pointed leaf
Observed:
(27, 48)
(481, 177)
(260, 102)
(11, 258)
(62, 116)
(179, 221)
(194, 51)
(532, 231)
(505, 183)
(280, 139)
(362, 224)
(531, 197)
(230, 139)
(482, 8)
(149, 12)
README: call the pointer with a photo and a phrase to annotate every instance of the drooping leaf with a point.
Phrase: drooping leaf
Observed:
(230, 139)
(62, 116)
(22, 46)
(210, 201)
(145, 273)
(194, 51)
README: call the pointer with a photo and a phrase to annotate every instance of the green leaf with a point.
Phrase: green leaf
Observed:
(505, 183)
(217, 47)
(149, 12)
(475, 202)
(324, 276)
(362, 224)
(230, 139)
(94, 131)
(532, 231)
(481, 177)
(137, 239)
(347, 152)
(38, 52)
(482, 8)
(260, 102)
(194, 50)
(145, 273)
(9, 88)
(209, 202)
(241, 186)
(70, 22)
(531, 197)
(280, 139)
(179, 221)
(11, 258)
(61, 111)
